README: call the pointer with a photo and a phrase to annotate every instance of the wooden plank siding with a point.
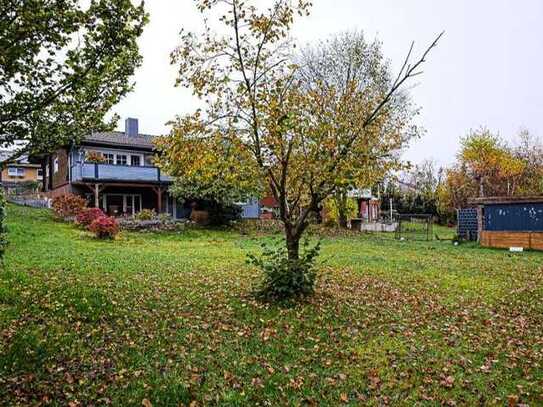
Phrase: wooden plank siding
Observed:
(505, 240)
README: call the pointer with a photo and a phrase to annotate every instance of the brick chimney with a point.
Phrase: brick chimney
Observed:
(131, 127)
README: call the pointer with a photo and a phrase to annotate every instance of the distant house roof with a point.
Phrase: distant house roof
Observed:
(495, 200)
(120, 139)
(21, 161)
(361, 193)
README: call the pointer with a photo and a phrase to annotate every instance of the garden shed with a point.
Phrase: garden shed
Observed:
(506, 222)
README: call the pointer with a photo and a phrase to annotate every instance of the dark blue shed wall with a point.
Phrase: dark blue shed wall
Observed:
(514, 217)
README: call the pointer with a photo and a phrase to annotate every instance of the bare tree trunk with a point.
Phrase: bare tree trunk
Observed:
(293, 247)
(341, 201)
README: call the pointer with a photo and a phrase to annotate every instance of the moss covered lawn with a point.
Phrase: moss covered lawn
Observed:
(167, 319)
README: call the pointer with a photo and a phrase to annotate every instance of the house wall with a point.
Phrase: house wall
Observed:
(31, 174)
(514, 217)
(62, 190)
(60, 177)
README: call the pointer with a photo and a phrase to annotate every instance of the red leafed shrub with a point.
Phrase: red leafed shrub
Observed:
(88, 215)
(68, 205)
(104, 227)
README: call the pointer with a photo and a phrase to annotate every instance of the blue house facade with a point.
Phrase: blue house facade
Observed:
(115, 172)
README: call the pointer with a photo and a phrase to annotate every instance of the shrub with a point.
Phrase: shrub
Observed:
(88, 215)
(3, 235)
(104, 227)
(331, 211)
(284, 279)
(164, 217)
(68, 205)
(200, 217)
(145, 214)
(223, 214)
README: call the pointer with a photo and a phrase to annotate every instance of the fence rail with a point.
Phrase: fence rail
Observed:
(32, 202)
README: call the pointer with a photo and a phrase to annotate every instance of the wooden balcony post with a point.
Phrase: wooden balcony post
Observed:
(97, 196)
(159, 206)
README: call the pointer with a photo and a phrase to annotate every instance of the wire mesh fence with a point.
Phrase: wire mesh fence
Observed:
(415, 227)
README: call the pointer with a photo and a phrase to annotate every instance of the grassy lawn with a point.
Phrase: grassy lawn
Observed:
(169, 318)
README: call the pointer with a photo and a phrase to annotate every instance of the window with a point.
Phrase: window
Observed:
(16, 172)
(55, 166)
(135, 160)
(109, 158)
(121, 159)
(40, 173)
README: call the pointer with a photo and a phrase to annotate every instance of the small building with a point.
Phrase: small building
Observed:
(369, 206)
(19, 175)
(506, 222)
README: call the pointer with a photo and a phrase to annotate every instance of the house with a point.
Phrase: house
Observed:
(114, 171)
(505, 222)
(19, 175)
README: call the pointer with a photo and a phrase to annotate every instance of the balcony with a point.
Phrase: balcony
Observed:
(92, 172)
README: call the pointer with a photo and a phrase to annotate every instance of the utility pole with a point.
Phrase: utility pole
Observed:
(390, 210)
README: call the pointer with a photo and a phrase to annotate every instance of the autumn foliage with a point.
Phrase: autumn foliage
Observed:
(264, 129)
(489, 166)
(88, 215)
(104, 227)
(68, 205)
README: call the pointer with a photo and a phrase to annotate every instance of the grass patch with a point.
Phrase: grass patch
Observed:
(168, 318)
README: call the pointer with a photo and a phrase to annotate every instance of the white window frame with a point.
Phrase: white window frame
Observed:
(121, 155)
(140, 156)
(16, 171)
(55, 165)
(107, 157)
(38, 175)
(111, 153)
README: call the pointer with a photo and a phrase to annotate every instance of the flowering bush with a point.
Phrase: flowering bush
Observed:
(145, 214)
(68, 205)
(88, 215)
(94, 157)
(104, 227)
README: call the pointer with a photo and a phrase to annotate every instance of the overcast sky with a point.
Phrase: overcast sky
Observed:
(487, 70)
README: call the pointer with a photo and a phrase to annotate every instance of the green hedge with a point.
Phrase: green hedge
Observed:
(3, 234)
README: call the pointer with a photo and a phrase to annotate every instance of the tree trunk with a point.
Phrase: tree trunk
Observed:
(342, 209)
(342, 219)
(293, 247)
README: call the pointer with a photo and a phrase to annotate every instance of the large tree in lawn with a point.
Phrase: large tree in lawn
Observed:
(63, 65)
(300, 144)
(345, 60)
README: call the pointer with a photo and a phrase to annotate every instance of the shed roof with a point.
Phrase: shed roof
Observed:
(495, 200)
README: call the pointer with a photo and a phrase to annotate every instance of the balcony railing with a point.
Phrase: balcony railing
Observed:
(82, 172)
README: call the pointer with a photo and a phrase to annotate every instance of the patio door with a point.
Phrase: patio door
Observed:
(133, 204)
(122, 204)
